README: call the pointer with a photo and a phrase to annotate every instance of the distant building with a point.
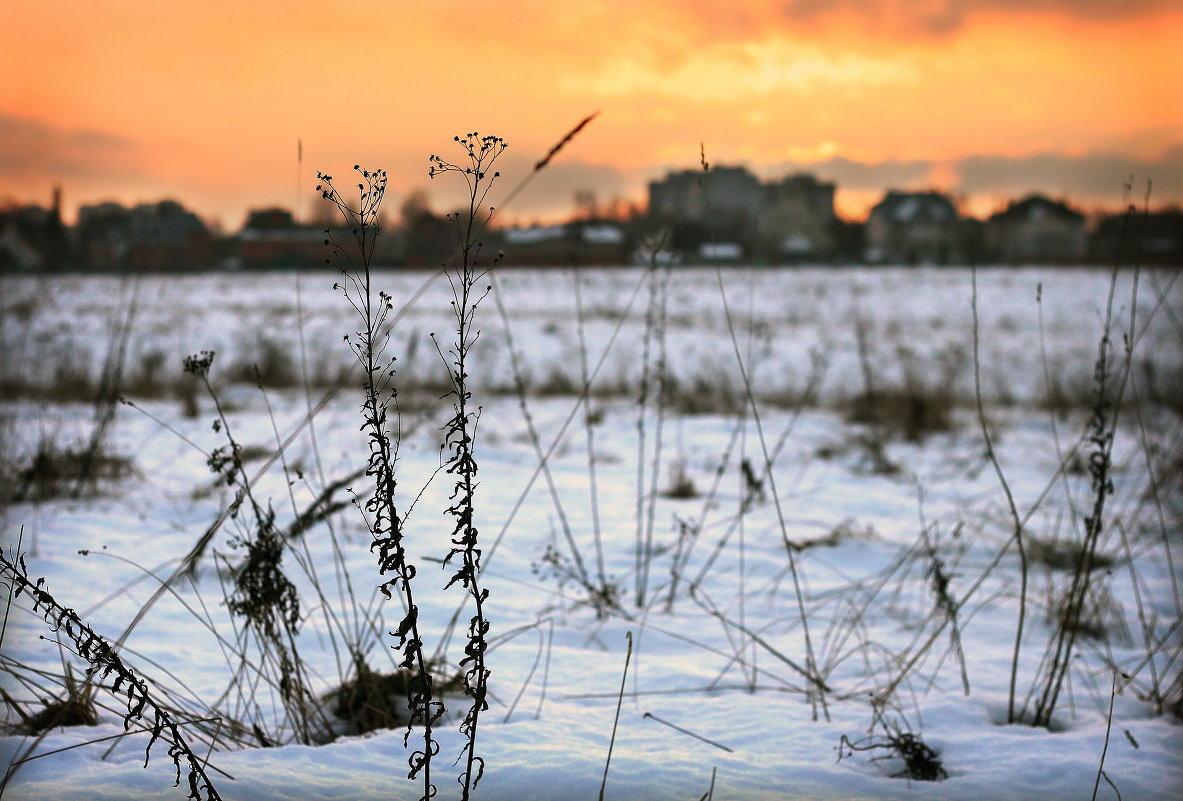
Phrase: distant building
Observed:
(789, 219)
(914, 228)
(272, 238)
(103, 238)
(17, 253)
(33, 239)
(165, 236)
(160, 236)
(427, 239)
(1154, 238)
(576, 243)
(727, 200)
(798, 220)
(1036, 229)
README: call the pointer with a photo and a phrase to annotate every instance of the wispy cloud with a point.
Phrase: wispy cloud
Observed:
(738, 71)
(850, 174)
(33, 151)
(941, 17)
(1093, 177)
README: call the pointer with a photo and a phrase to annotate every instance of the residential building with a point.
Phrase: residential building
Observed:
(33, 238)
(576, 243)
(726, 200)
(1036, 229)
(17, 253)
(792, 218)
(914, 228)
(161, 236)
(1147, 238)
(798, 220)
(272, 238)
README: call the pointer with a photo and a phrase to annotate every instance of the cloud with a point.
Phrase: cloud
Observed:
(738, 71)
(850, 174)
(1089, 178)
(940, 17)
(31, 150)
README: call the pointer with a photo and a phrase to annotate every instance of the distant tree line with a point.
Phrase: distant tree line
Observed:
(692, 217)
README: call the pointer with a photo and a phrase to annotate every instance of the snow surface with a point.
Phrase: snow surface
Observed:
(556, 666)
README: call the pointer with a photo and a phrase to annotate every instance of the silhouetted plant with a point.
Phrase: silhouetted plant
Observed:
(460, 430)
(105, 662)
(379, 406)
(604, 599)
(944, 603)
(263, 594)
(1019, 535)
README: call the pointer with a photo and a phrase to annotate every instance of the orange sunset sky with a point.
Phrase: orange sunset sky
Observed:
(205, 101)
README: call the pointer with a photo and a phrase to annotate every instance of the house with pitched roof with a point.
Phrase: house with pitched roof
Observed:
(1036, 229)
(1141, 237)
(914, 228)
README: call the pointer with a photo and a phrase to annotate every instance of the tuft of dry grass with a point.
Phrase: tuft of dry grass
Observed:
(921, 762)
(681, 486)
(1065, 554)
(77, 708)
(372, 700)
(910, 412)
(55, 470)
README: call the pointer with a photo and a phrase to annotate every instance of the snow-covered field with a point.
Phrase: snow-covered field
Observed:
(875, 557)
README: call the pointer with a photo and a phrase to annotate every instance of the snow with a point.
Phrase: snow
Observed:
(741, 710)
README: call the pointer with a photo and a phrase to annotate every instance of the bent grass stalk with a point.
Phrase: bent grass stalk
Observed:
(616, 720)
(580, 569)
(750, 402)
(589, 431)
(654, 381)
(561, 433)
(798, 592)
(1017, 534)
(105, 661)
